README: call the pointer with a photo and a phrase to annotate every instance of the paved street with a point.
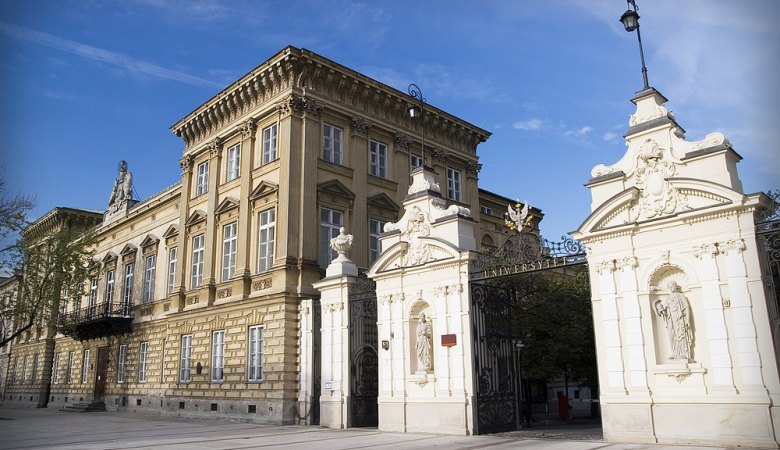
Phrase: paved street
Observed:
(45, 428)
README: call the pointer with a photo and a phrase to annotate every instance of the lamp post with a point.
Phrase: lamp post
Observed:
(416, 111)
(630, 20)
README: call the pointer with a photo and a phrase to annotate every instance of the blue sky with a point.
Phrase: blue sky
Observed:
(86, 83)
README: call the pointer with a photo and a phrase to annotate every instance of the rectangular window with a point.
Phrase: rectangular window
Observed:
(149, 278)
(16, 368)
(217, 355)
(375, 228)
(85, 367)
(378, 159)
(186, 358)
(93, 285)
(34, 366)
(26, 369)
(330, 222)
(55, 369)
(415, 161)
(332, 138)
(453, 184)
(142, 354)
(265, 241)
(120, 367)
(127, 292)
(71, 363)
(255, 363)
(487, 210)
(202, 184)
(234, 162)
(269, 144)
(172, 255)
(229, 242)
(109, 297)
(197, 261)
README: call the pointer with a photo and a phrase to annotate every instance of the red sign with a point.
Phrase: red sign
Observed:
(448, 340)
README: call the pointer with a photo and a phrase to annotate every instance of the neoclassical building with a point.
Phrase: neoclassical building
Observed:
(194, 306)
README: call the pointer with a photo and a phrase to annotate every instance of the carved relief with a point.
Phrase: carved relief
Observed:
(658, 112)
(192, 300)
(402, 140)
(360, 125)
(708, 250)
(733, 245)
(473, 167)
(605, 266)
(440, 154)
(657, 196)
(259, 285)
(224, 293)
(247, 128)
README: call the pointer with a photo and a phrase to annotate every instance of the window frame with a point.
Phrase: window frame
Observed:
(108, 296)
(185, 359)
(374, 246)
(143, 361)
(93, 291)
(218, 356)
(56, 368)
(377, 159)
(149, 275)
(270, 136)
(202, 180)
(266, 243)
(229, 251)
(414, 159)
(71, 363)
(333, 146)
(327, 230)
(127, 288)
(198, 254)
(85, 367)
(121, 365)
(173, 256)
(255, 354)
(233, 165)
(454, 184)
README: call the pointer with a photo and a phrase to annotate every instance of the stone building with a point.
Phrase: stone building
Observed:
(194, 309)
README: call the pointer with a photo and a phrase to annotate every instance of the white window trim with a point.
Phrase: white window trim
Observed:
(143, 355)
(233, 162)
(255, 354)
(85, 367)
(198, 252)
(185, 362)
(121, 365)
(202, 182)
(56, 368)
(229, 248)
(149, 274)
(454, 184)
(266, 247)
(270, 143)
(378, 159)
(333, 146)
(218, 356)
(173, 255)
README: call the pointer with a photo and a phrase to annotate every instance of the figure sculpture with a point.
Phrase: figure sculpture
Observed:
(424, 336)
(123, 187)
(341, 244)
(674, 311)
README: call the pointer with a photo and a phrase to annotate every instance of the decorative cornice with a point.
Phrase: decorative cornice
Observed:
(401, 140)
(708, 250)
(186, 163)
(605, 266)
(627, 263)
(360, 125)
(473, 167)
(247, 129)
(440, 154)
(733, 245)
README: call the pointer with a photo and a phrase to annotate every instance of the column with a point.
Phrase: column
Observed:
(210, 264)
(183, 239)
(442, 361)
(245, 238)
(610, 325)
(748, 358)
(632, 315)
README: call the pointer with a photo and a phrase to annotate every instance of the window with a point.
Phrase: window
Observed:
(375, 228)
(453, 184)
(269, 144)
(330, 222)
(120, 368)
(109, 297)
(127, 293)
(197, 261)
(16, 368)
(55, 369)
(34, 366)
(149, 279)
(217, 355)
(172, 255)
(265, 241)
(142, 355)
(186, 358)
(487, 210)
(378, 159)
(332, 137)
(415, 161)
(26, 369)
(229, 242)
(85, 367)
(255, 363)
(93, 283)
(71, 363)
(202, 185)
(233, 162)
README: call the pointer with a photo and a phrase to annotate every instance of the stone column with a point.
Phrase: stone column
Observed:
(213, 235)
(714, 320)
(634, 338)
(183, 239)
(243, 262)
(610, 325)
(748, 358)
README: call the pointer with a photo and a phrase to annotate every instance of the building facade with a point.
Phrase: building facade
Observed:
(194, 306)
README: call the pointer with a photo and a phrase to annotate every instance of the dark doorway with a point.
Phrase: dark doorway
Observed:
(364, 370)
(101, 373)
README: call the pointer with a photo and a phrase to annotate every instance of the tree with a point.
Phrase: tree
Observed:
(53, 267)
(13, 217)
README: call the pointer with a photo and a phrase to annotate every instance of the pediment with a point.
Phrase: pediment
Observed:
(109, 257)
(382, 200)
(695, 197)
(425, 251)
(128, 249)
(149, 240)
(172, 231)
(196, 217)
(337, 188)
(263, 189)
(226, 205)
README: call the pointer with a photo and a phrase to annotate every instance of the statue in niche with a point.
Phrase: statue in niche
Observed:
(123, 188)
(424, 337)
(674, 311)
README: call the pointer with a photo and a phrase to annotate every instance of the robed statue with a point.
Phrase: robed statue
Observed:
(123, 187)
(675, 313)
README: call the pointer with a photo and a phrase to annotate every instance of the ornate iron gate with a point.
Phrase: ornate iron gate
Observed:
(768, 236)
(363, 361)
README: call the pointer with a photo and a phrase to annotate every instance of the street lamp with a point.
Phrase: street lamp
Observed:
(630, 20)
(416, 111)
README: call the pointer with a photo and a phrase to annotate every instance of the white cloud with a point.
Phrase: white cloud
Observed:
(579, 132)
(532, 124)
(115, 59)
(609, 136)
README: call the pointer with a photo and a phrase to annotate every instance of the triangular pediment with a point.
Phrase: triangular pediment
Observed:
(109, 257)
(226, 205)
(149, 240)
(263, 189)
(196, 217)
(382, 200)
(172, 231)
(128, 249)
(335, 187)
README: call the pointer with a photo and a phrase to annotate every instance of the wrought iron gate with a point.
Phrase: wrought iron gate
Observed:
(363, 360)
(768, 236)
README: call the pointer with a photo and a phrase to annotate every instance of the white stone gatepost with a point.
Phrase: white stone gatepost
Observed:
(425, 375)
(340, 275)
(683, 335)
(306, 337)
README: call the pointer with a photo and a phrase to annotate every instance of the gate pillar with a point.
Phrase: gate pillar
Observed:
(425, 356)
(682, 323)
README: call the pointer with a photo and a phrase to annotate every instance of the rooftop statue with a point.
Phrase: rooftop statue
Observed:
(123, 188)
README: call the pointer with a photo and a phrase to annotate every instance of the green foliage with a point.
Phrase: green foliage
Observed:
(13, 217)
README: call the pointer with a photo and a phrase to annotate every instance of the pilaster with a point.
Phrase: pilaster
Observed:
(610, 324)
(243, 262)
(634, 333)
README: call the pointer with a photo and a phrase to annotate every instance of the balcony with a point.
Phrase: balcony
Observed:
(96, 321)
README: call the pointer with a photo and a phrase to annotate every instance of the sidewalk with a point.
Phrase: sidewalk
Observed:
(46, 428)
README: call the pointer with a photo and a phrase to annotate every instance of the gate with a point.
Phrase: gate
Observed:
(363, 360)
(768, 236)
(496, 338)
